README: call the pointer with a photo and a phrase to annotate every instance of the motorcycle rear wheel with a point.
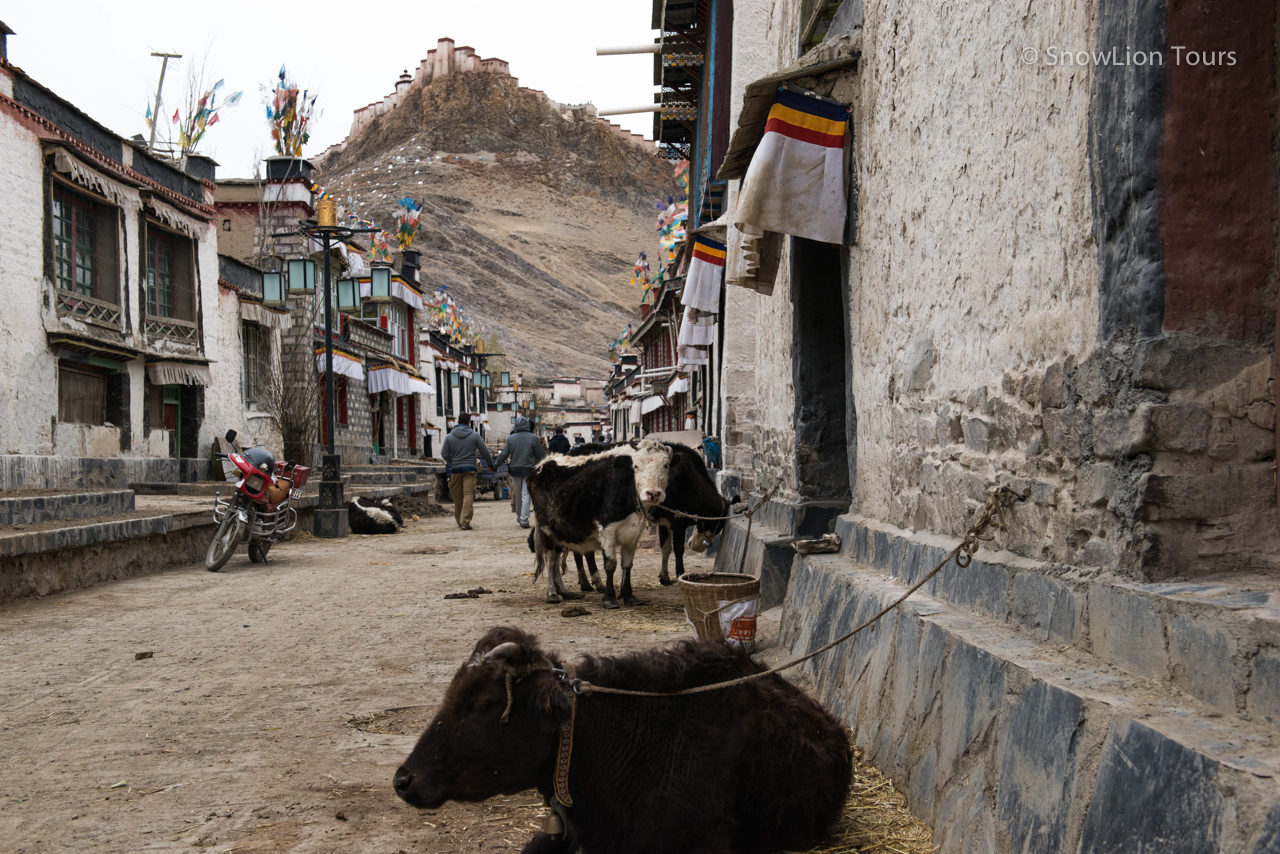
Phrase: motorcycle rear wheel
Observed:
(224, 540)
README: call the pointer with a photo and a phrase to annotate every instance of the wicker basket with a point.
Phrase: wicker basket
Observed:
(706, 593)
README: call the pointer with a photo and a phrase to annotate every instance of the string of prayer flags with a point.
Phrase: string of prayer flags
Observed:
(407, 221)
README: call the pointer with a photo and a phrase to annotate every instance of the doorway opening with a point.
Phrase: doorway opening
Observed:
(825, 418)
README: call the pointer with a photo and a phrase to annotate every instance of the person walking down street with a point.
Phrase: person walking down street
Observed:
(521, 453)
(559, 443)
(462, 451)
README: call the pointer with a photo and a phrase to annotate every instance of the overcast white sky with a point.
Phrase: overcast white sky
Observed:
(97, 56)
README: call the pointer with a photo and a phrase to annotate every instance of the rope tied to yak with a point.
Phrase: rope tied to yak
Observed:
(991, 515)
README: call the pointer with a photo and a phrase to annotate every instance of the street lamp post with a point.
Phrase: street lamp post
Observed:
(331, 516)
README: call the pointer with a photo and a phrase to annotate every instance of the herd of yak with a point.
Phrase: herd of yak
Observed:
(752, 767)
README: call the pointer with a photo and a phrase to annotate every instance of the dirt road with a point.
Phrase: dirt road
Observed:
(259, 723)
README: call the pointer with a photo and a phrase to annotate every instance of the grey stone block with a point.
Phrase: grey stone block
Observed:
(923, 783)
(933, 649)
(965, 824)
(1178, 426)
(1189, 362)
(1053, 390)
(1118, 433)
(1096, 484)
(1125, 630)
(1201, 661)
(1037, 761)
(1047, 608)
(977, 433)
(981, 586)
(977, 400)
(1222, 493)
(949, 429)
(1069, 432)
(1263, 699)
(1152, 794)
(972, 690)
(1268, 841)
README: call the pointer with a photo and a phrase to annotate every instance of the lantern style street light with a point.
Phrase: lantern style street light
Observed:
(302, 277)
(331, 516)
(380, 284)
(348, 295)
(273, 288)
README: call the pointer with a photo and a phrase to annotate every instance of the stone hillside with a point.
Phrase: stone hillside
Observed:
(533, 214)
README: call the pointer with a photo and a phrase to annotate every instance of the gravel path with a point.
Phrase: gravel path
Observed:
(260, 722)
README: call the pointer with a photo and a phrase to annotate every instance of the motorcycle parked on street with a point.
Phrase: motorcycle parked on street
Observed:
(259, 512)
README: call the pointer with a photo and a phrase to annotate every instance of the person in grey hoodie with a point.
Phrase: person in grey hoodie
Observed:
(461, 451)
(521, 453)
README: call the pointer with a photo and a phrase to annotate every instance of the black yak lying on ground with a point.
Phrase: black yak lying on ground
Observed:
(366, 516)
(756, 768)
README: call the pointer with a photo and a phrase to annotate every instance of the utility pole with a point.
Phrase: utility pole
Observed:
(155, 116)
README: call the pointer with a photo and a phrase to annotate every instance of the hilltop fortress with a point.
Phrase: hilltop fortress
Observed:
(446, 59)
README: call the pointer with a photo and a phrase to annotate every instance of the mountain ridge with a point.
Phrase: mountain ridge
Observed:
(532, 212)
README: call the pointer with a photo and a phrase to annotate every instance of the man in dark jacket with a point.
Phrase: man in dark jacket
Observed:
(521, 454)
(559, 443)
(461, 451)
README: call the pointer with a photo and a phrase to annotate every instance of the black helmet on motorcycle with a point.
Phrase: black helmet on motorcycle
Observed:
(261, 458)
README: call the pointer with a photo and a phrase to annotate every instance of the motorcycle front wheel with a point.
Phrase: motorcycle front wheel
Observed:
(258, 551)
(224, 541)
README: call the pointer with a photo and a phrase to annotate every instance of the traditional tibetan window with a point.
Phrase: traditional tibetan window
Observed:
(82, 394)
(171, 287)
(256, 344)
(85, 235)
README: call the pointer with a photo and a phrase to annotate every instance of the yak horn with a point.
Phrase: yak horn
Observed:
(510, 649)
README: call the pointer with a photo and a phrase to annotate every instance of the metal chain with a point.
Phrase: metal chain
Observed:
(992, 514)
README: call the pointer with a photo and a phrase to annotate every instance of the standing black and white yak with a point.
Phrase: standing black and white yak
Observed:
(367, 516)
(752, 769)
(596, 501)
(689, 490)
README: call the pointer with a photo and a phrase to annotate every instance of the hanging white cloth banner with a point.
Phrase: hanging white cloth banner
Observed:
(651, 403)
(256, 312)
(179, 373)
(701, 299)
(678, 385)
(398, 289)
(795, 183)
(635, 412)
(343, 365)
(388, 378)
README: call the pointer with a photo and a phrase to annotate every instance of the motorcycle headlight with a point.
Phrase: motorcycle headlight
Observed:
(254, 483)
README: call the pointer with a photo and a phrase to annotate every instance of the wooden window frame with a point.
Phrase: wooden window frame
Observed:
(155, 240)
(79, 206)
(86, 371)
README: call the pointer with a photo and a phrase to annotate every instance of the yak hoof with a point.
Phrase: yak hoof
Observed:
(665, 580)
(569, 594)
(587, 588)
(611, 604)
(553, 599)
(633, 602)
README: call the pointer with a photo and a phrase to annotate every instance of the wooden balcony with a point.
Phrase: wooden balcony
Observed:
(88, 309)
(172, 329)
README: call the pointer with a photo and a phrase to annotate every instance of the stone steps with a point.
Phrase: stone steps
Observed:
(35, 509)
(167, 533)
(1023, 708)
